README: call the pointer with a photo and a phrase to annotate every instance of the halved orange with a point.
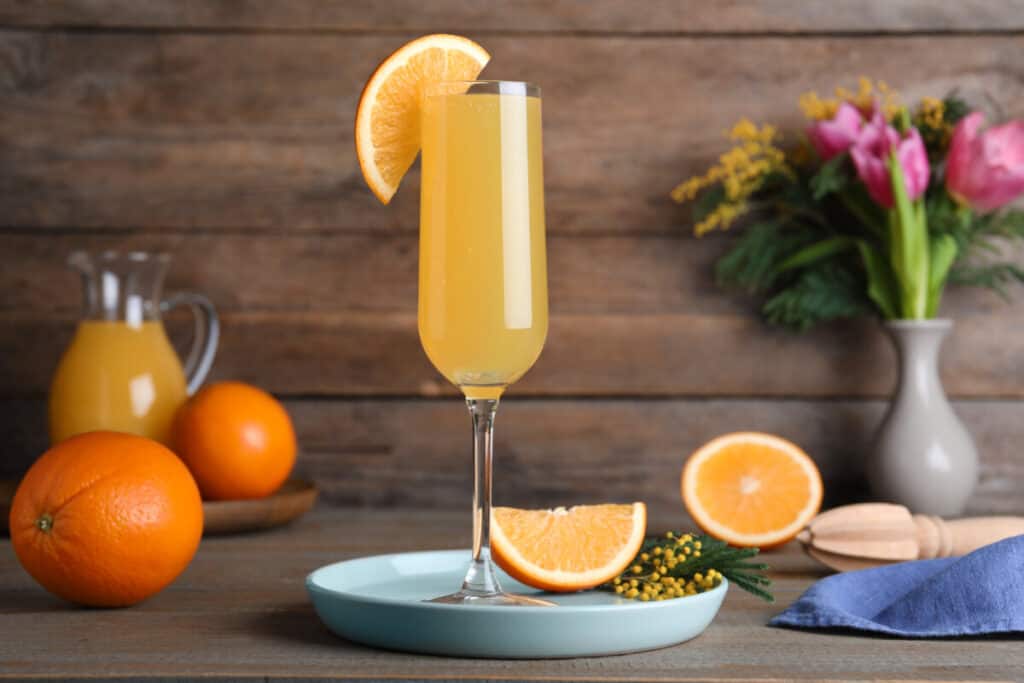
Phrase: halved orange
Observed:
(388, 118)
(566, 550)
(751, 489)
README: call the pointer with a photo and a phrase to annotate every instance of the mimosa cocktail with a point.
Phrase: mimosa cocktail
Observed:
(483, 300)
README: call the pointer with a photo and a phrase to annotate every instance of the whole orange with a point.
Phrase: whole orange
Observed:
(237, 441)
(106, 519)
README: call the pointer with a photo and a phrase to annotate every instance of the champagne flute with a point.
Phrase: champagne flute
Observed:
(483, 301)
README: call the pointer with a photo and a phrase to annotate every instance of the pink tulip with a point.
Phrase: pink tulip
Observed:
(833, 137)
(986, 170)
(871, 152)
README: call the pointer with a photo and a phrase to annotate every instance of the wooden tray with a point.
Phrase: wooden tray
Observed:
(292, 500)
(7, 489)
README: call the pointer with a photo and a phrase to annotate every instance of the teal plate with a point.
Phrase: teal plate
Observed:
(379, 601)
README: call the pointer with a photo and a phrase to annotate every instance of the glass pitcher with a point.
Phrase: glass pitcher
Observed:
(120, 371)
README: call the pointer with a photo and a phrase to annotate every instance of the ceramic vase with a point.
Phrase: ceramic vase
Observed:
(922, 456)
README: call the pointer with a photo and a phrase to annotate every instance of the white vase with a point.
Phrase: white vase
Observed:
(922, 457)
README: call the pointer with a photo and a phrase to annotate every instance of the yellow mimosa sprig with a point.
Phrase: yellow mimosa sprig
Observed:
(740, 172)
(868, 95)
(681, 564)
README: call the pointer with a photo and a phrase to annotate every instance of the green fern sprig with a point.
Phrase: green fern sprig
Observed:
(980, 239)
(994, 276)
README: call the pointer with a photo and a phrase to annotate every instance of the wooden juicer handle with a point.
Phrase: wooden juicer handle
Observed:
(873, 534)
(941, 538)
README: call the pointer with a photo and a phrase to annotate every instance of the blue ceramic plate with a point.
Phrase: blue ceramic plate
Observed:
(378, 601)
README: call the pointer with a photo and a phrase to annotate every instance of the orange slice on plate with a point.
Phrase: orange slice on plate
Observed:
(565, 550)
(751, 489)
(388, 118)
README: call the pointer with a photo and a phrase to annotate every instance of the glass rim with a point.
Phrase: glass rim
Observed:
(111, 255)
(493, 86)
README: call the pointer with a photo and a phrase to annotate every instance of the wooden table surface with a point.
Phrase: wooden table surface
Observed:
(240, 612)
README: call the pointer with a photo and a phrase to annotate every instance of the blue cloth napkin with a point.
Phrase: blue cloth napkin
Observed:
(978, 593)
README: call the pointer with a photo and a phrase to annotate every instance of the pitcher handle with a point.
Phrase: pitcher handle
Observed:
(204, 341)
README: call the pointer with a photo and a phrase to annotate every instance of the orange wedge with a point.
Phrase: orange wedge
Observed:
(388, 118)
(565, 550)
(751, 489)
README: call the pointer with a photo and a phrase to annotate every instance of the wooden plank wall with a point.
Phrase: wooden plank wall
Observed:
(220, 131)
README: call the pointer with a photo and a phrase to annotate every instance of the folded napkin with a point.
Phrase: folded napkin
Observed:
(978, 593)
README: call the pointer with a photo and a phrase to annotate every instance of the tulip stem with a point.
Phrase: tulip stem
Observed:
(909, 250)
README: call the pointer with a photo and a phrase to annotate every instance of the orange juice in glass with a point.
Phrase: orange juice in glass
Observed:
(483, 300)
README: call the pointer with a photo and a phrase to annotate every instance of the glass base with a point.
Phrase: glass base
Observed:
(481, 587)
(497, 599)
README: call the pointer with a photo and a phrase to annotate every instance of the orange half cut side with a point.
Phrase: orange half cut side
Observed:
(751, 489)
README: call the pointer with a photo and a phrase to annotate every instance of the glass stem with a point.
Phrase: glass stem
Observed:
(480, 579)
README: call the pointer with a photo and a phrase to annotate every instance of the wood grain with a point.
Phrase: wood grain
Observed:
(367, 354)
(668, 274)
(253, 131)
(415, 453)
(334, 272)
(644, 311)
(240, 613)
(554, 452)
(605, 16)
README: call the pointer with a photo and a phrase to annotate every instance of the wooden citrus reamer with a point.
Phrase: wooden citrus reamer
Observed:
(873, 534)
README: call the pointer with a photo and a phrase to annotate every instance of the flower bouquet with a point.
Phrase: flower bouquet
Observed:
(873, 213)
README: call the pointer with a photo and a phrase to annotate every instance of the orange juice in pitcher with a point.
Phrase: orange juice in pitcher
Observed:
(120, 371)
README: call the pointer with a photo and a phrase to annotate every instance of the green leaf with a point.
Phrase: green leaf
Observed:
(982, 237)
(955, 109)
(1008, 223)
(859, 204)
(908, 246)
(945, 216)
(827, 291)
(707, 201)
(882, 286)
(994, 276)
(816, 252)
(944, 249)
(832, 177)
(984, 234)
(903, 123)
(753, 263)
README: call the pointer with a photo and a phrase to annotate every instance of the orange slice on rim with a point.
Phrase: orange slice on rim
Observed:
(751, 489)
(570, 549)
(388, 118)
